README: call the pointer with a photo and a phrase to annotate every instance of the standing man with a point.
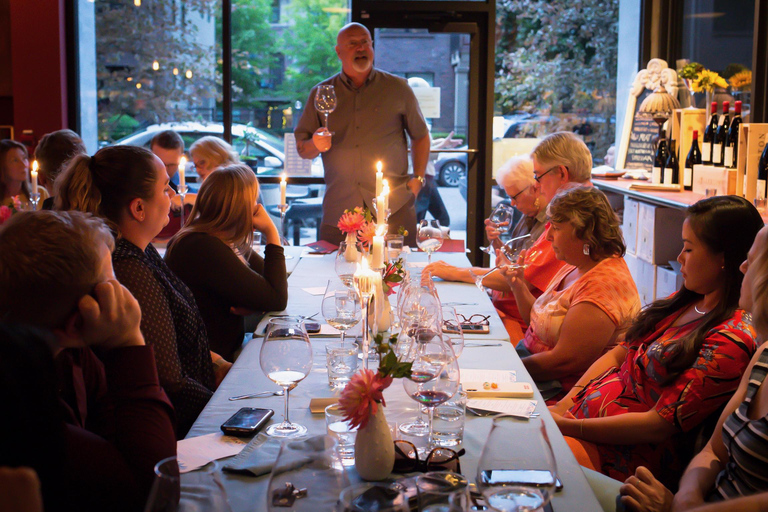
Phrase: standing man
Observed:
(375, 110)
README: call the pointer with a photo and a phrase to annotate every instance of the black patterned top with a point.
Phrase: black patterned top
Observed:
(171, 323)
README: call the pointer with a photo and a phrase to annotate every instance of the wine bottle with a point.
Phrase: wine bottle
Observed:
(693, 158)
(660, 159)
(732, 141)
(671, 171)
(721, 136)
(709, 136)
(762, 174)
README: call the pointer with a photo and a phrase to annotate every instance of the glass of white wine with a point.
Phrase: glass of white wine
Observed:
(286, 358)
(341, 307)
(325, 102)
(347, 259)
(429, 237)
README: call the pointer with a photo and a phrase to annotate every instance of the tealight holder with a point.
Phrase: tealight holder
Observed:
(34, 198)
(182, 194)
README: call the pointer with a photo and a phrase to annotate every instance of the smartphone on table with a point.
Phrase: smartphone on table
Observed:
(246, 422)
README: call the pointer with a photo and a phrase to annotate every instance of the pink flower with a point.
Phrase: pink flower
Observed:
(361, 396)
(366, 234)
(16, 203)
(351, 221)
(5, 213)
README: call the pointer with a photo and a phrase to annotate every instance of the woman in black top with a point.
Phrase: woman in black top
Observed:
(128, 187)
(212, 254)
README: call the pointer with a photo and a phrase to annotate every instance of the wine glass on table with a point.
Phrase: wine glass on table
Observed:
(286, 358)
(347, 258)
(501, 214)
(517, 476)
(341, 307)
(429, 237)
(325, 102)
(434, 375)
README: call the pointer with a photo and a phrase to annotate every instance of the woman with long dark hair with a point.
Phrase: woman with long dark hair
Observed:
(681, 360)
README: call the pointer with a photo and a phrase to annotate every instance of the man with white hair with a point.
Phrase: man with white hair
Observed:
(374, 113)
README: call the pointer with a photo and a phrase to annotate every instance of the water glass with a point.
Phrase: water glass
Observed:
(443, 491)
(256, 241)
(760, 204)
(394, 247)
(448, 421)
(341, 361)
(165, 493)
(369, 496)
(343, 432)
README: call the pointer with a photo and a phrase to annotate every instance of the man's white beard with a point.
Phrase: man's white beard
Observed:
(362, 66)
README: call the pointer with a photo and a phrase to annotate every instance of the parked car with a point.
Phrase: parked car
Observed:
(260, 150)
(450, 168)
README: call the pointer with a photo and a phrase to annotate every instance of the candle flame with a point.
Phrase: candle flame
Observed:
(283, 177)
(378, 166)
(34, 166)
(183, 162)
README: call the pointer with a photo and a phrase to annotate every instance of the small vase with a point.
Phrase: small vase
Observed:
(351, 253)
(374, 449)
(710, 94)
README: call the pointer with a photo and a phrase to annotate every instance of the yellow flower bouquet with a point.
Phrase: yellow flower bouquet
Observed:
(707, 81)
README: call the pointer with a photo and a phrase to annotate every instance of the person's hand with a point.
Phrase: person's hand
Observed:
(322, 139)
(439, 269)
(513, 275)
(263, 222)
(415, 186)
(108, 319)
(643, 493)
(492, 231)
(220, 367)
(560, 408)
(446, 143)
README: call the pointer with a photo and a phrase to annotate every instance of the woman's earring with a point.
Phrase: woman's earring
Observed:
(586, 249)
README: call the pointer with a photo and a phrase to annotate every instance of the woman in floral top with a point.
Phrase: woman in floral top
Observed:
(682, 359)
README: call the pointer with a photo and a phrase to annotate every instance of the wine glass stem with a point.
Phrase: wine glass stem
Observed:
(286, 420)
(342, 337)
(429, 257)
(430, 411)
(326, 120)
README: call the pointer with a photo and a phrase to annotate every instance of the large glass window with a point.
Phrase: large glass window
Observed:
(555, 70)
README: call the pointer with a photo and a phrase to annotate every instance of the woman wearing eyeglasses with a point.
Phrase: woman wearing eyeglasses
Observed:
(589, 302)
(516, 177)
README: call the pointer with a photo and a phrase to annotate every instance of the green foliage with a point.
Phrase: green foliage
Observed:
(310, 46)
(691, 70)
(129, 39)
(388, 363)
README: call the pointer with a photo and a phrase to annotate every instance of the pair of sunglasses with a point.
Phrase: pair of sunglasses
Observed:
(439, 459)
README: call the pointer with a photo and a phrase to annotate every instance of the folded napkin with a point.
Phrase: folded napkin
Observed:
(257, 458)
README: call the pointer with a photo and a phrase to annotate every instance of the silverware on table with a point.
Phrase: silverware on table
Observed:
(482, 345)
(459, 303)
(262, 394)
(483, 413)
(310, 317)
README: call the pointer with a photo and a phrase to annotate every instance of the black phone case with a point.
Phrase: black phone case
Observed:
(232, 430)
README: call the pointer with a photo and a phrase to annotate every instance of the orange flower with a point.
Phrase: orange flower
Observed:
(366, 234)
(351, 221)
(361, 396)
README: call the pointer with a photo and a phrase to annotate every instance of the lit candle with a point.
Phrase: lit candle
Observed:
(34, 177)
(364, 279)
(182, 170)
(379, 178)
(378, 252)
(283, 186)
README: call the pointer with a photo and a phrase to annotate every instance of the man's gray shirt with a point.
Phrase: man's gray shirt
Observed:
(368, 125)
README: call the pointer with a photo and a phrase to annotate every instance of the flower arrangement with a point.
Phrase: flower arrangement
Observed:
(7, 211)
(707, 81)
(361, 397)
(360, 222)
(741, 80)
(393, 276)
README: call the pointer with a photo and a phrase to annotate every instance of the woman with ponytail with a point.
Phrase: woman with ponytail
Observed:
(681, 360)
(128, 187)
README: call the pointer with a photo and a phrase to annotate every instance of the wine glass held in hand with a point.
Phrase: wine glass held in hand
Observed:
(517, 476)
(325, 102)
(341, 307)
(500, 218)
(429, 237)
(286, 358)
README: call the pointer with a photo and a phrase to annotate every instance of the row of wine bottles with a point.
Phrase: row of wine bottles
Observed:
(720, 146)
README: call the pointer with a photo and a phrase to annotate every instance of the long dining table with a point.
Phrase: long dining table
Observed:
(492, 351)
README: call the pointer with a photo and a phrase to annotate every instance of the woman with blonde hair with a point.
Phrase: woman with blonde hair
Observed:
(209, 153)
(588, 304)
(212, 254)
(127, 186)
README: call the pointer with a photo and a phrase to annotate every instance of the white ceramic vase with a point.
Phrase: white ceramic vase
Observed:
(351, 253)
(374, 449)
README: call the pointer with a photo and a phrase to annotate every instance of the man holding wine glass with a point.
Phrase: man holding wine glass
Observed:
(373, 112)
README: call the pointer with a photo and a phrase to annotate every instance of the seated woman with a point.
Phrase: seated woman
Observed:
(516, 176)
(732, 465)
(14, 164)
(128, 187)
(212, 254)
(681, 360)
(590, 301)
(209, 153)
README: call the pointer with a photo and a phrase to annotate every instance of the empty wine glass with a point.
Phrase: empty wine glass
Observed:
(341, 307)
(313, 465)
(434, 375)
(517, 476)
(512, 251)
(325, 102)
(347, 259)
(286, 358)
(502, 213)
(429, 237)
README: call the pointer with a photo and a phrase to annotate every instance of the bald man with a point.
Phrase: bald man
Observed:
(376, 114)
